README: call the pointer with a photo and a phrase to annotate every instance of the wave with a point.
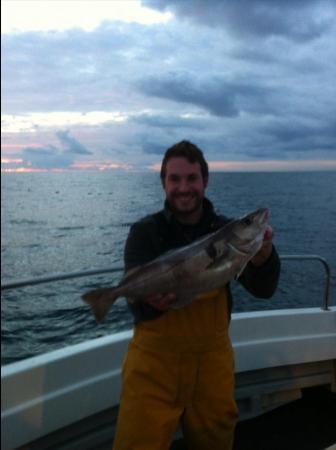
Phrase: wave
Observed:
(71, 228)
(26, 222)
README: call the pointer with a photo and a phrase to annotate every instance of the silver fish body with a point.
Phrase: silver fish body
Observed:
(207, 263)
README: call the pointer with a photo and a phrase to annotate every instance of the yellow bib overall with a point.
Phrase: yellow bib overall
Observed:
(179, 369)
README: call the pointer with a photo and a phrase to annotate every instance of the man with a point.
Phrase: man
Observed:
(179, 367)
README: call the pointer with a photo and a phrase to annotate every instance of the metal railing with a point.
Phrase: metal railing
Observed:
(59, 277)
(114, 269)
(327, 270)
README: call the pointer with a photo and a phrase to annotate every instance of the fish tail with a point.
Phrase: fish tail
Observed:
(101, 301)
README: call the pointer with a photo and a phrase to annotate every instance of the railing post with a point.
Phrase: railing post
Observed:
(326, 266)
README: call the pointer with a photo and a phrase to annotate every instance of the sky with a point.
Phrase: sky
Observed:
(109, 85)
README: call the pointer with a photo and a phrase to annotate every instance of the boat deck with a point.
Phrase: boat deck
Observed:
(308, 424)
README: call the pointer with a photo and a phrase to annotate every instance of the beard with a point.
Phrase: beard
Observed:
(185, 205)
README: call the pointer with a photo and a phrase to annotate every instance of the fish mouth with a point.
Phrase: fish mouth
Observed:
(241, 251)
(263, 214)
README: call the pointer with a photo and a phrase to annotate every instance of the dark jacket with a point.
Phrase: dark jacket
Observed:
(160, 232)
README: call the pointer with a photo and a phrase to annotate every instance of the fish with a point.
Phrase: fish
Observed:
(207, 263)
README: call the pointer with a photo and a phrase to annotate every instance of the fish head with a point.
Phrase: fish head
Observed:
(248, 231)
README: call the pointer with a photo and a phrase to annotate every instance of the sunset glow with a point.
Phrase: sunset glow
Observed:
(101, 166)
(80, 166)
(272, 165)
(11, 160)
(267, 166)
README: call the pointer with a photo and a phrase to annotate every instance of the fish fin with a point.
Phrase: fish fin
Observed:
(100, 301)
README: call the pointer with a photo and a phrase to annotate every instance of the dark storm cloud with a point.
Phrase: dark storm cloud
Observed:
(280, 139)
(214, 94)
(153, 148)
(291, 136)
(70, 144)
(182, 88)
(152, 141)
(298, 20)
(50, 156)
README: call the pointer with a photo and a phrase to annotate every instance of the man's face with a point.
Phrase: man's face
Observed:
(184, 187)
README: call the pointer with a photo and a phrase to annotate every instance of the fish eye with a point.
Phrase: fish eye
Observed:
(247, 221)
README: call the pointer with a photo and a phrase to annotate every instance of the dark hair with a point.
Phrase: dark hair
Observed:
(187, 150)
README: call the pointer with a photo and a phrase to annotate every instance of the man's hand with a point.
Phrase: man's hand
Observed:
(161, 302)
(266, 249)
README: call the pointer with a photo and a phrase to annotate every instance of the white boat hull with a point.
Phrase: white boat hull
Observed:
(277, 354)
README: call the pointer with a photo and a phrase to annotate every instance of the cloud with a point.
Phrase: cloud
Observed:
(153, 148)
(174, 121)
(48, 157)
(302, 137)
(70, 144)
(70, 70)
(215, 94)
(243, 79)
(52, 157)
(299, 20)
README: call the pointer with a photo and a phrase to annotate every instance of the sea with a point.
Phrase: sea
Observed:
(54, 223)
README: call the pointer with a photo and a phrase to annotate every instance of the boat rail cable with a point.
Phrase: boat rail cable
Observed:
(115, 269)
